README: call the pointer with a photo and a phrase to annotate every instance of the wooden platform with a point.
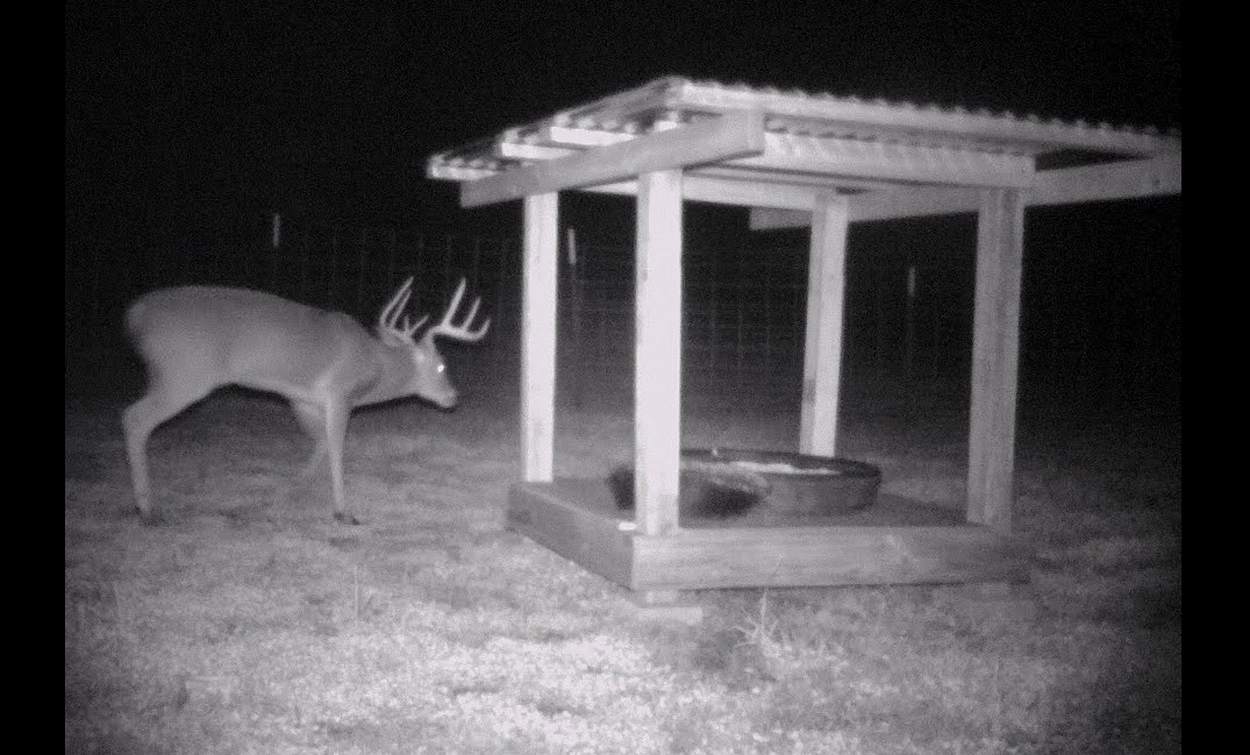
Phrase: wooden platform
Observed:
(896, 541)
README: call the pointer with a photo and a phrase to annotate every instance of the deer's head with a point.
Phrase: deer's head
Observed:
(429, 378)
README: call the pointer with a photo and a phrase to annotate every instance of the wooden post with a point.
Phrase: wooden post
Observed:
(538, 337)
(822, 351)
(657, 352)
(995, 352)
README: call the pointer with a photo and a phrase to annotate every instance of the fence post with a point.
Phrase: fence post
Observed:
(575, 316)
(360, 273)
(909, 340)
(713, 327)
(477, 259)
(418, 253)
(330, 268)
(879, 274)
(738, 286)
(307, 263)
(767, 262)
(275, 249)
(448, 255)
(502, 278)
(393, 243)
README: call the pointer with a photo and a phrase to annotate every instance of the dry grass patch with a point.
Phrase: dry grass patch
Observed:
(248, 622)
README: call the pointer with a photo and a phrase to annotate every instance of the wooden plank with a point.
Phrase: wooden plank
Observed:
(883, 205)
(995, 355)
(581, 137)
(877, 160)
(822, 351)
(888, 511)
(657, 351)
(547, 516)
(908, 120)
(1130, 179)
(696, 188)
(737, 175)
(528, 152)
(827, 184)
(816, 111)
(923, 202)
(538, 336)
(577, 519)
(704, 142)
(816, 556)
(456, 172)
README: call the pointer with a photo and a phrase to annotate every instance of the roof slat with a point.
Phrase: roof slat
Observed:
(806, 140)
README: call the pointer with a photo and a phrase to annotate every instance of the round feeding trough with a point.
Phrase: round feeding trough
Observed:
(798, 484)
(728, 482)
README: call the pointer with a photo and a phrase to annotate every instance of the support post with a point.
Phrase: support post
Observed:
(995, 355)
(538, 337)
(822, 351)
(657, 352)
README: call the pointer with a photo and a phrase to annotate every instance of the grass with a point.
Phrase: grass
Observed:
(249, 622)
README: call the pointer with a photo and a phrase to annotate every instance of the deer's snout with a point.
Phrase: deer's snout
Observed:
(447, 401)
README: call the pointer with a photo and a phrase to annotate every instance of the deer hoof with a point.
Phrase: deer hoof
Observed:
(150, 518)
(342, 518)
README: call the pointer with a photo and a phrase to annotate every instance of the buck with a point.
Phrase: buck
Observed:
(195, 339)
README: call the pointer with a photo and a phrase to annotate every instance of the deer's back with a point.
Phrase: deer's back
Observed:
(240, 335)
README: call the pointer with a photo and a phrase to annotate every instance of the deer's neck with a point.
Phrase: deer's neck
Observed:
(393, 374)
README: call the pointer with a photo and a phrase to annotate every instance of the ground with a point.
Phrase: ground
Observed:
(248, 621)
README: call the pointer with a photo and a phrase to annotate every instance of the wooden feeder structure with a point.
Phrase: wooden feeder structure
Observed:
(794, 158)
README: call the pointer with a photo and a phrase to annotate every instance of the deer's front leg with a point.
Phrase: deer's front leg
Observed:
(337, 414)
(312, 420)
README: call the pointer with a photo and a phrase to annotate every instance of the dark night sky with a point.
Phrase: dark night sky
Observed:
(179, 114)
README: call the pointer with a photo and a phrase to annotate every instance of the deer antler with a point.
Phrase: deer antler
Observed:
(446, 327)
(389, 317)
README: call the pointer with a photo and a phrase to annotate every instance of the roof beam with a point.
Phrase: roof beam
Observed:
(713, 140)
(574, 136)
(699, 185)
(852, 159)
(698, 188)
(1130, 179)
(898, 162)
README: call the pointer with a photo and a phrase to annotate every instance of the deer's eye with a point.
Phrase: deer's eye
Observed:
(441, 367)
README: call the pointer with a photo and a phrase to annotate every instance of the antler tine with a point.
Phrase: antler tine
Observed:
(455, 301)
(390, 313)
(477, 334)
(447, 327)
(468, 319)
(402, 304)
(410, 329)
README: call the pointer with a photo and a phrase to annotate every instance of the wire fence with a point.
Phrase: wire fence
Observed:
(908, 306)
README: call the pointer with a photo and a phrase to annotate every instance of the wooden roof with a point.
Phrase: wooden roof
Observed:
(764, 147)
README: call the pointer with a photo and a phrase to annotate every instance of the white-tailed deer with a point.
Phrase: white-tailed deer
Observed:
(195, 339)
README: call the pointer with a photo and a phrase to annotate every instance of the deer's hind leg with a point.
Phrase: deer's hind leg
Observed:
(167, 396)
